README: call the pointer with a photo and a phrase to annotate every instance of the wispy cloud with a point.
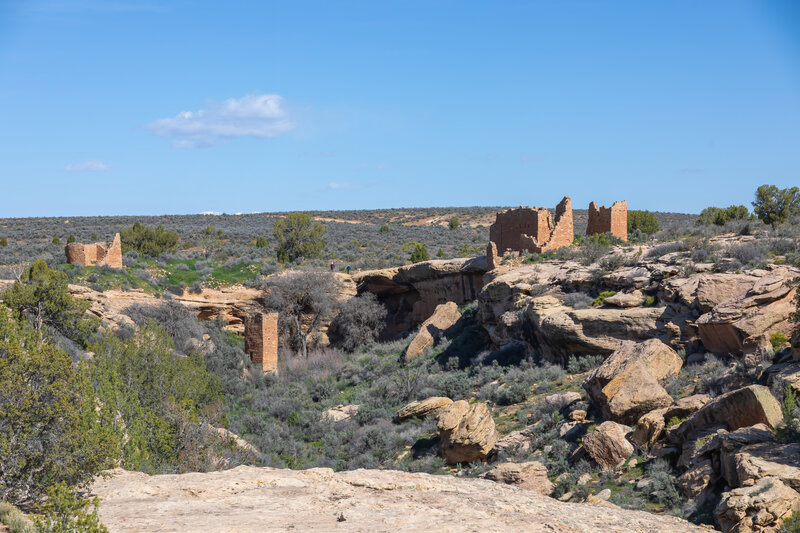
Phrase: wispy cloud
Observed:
(259, 116)
(87, 166)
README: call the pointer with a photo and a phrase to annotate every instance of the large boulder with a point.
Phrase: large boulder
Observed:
(743, 407)
(529, 476)
(649, 428)
(765, 459)
(467, 432)
(737, 324)
(422, 408)
(626, 385)
(758, 508)
(444, 317)
(607, 444)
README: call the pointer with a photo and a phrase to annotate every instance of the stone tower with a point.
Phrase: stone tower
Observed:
(261, 340)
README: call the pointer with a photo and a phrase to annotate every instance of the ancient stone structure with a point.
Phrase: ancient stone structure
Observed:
(612, 220)
(95, 254)
(532, 229)
(261, 340)
(492, 261)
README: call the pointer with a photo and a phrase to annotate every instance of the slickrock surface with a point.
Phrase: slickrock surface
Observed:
(248, 499)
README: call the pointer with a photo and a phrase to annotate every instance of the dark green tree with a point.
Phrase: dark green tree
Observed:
(419, 253)
(721, 216)
(56, 240)
(643, 221)
(384, 228)
(299, 236)
(4, 241)
(261, 242)
(71, 238)
(773, 205)
(210, 239)
(148, 241)
(42, 296)
(453, 222)
(49, 430)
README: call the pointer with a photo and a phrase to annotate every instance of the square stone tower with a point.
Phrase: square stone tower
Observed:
(612, 219)
(261, 340)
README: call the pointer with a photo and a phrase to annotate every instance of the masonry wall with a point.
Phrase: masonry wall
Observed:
(95, 254)
(612, 220)
(261, 340)
(510, 226)
(533, 229)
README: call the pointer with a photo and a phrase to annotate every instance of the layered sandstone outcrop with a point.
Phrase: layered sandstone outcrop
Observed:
(411, 293)
(252, 500)
(95, 254)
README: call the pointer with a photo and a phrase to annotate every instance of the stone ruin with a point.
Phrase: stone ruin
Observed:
(95, 254)
(261, 340)
(613, 220)
(533, 230)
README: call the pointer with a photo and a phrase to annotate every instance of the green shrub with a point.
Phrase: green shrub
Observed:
(453, 223)
(4, 241)
(643, 221)
(71, 238)
(56, 240)
(148, 241)
(384, 228)
(261, 242)
(65, 512)
(602, 297)
(15, 519)
(774, 206)
(440, 253)
(674, 421)
(50, 430)
(420, 253)
(719, 216)
(649, 301)
(777, 340)
(791, 524)
(299, 236)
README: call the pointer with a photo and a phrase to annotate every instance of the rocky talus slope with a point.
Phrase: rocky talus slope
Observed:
(249, 499)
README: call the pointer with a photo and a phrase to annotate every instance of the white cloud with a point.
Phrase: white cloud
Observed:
(87, 166)
(256, 115)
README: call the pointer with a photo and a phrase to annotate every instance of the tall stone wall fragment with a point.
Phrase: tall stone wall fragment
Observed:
(95, 254)
(532, 229)
(612, 220)
(261, 340)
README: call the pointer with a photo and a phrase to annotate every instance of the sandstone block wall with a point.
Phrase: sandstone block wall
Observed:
(261, 340)
(533, 229)
(95, 254)
(612, 220)
(492, 261)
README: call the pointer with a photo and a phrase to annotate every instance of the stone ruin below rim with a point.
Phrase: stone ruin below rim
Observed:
(261, 340)
(95, 254)
(534, 230)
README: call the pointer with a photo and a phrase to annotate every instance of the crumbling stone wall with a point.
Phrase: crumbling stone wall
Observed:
(492, 261)
(261, 340)
(612, 220)
(533, 229)
(95, 254)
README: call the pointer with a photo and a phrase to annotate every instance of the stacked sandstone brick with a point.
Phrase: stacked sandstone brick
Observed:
(532, 229)
(261, 340)
(95, 254)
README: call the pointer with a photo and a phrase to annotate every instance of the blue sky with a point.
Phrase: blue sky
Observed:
(129, 107)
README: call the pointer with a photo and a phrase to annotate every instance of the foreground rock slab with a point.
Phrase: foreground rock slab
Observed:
(249, 500)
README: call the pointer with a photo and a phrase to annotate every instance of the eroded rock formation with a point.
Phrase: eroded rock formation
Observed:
(95, 254)
(411, 293)
(253, 500)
